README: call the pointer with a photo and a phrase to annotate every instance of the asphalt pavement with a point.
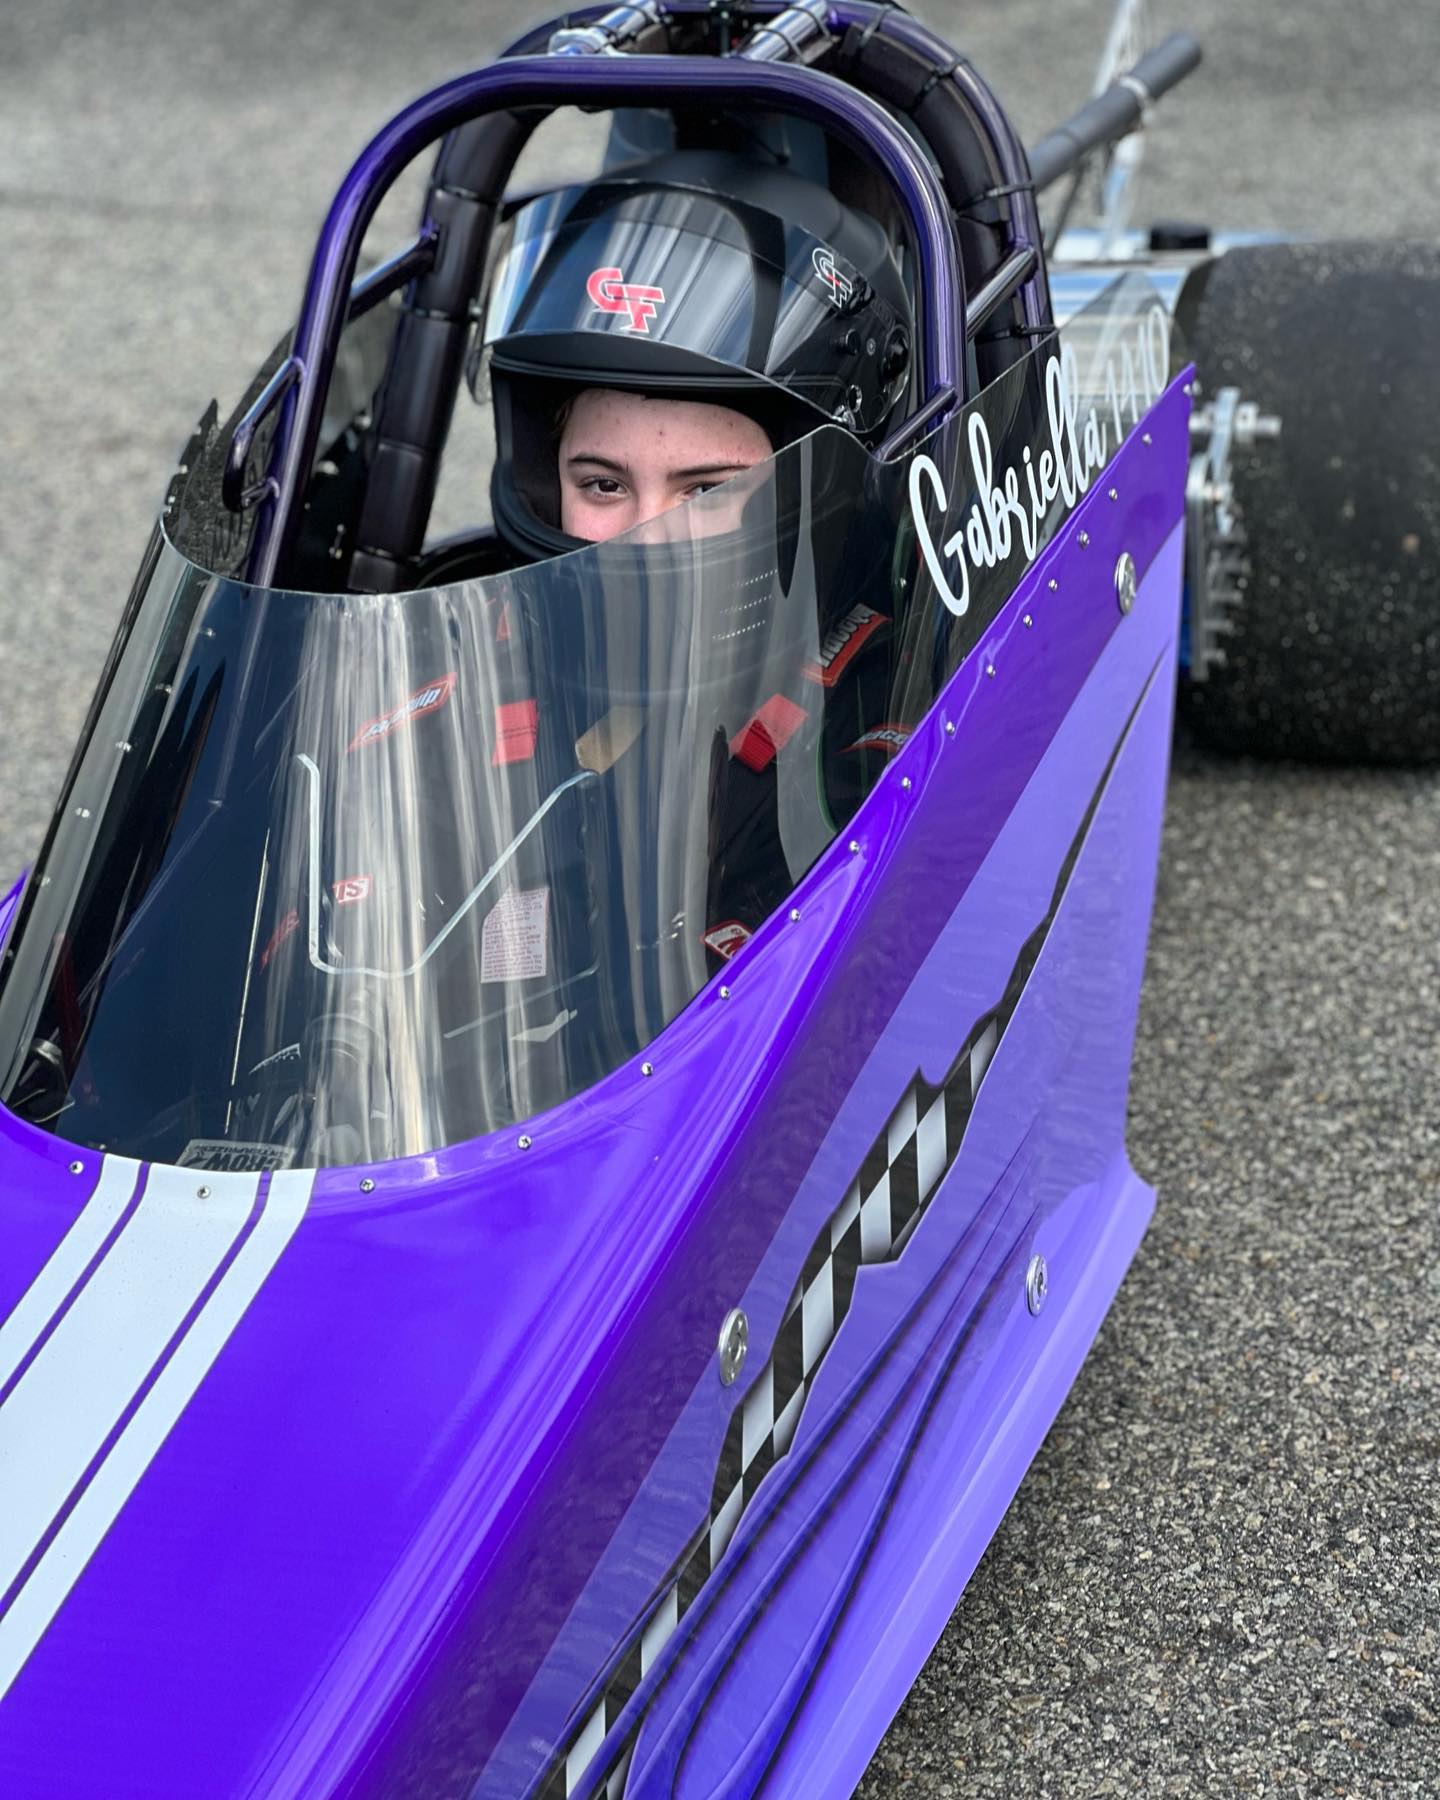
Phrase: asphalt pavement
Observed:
(1222, 1574)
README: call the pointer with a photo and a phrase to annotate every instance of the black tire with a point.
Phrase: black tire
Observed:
(1335, 655)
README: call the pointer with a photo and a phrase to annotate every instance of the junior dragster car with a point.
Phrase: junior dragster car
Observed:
(563, 1081)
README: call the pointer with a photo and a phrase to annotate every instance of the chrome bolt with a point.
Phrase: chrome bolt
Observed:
(990, 670)
(1114, 493)
(1027, 621)
(367, 1185)
(1083, 540)
(82, 812)
(724, 993)
(523, 1142)
(1145, 438)
(854, 846)
(906, 783)
(1053, 584)
(734, 1342)
(1037, 1284)
(647, 1068)
(1125, 581)
(202, 1193)
(794, 915)
(77, 1168)
(122, 745)
(949, 728)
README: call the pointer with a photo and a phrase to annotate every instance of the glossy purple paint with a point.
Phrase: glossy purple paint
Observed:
(473, 1417)
(8, 907)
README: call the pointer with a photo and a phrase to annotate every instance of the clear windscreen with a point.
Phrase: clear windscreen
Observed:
(344, 877)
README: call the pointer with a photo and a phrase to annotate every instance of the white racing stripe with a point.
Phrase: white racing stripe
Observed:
(38, 1304)
(107, 1344)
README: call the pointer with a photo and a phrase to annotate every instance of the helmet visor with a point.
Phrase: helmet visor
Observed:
(673, 287)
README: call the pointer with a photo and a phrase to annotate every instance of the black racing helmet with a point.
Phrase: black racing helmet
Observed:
(700, 275)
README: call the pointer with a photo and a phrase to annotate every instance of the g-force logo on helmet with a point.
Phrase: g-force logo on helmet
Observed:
(839, 287)
(611, 293)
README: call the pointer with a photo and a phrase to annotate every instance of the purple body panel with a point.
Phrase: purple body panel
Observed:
(472, 1420)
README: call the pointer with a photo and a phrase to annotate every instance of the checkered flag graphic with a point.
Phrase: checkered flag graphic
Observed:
(899, 1175)
(896, 1182)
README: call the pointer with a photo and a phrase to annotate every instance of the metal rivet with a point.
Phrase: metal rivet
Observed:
(1145, 438)
(202, 1193)
(734, 1342)
(1114, 493)
(1125, 581)
(122, 746)
(1084, 540)
(724, 993)
(794, 915)
(77, 1168)
(1027, 621)
(82, 812)
(906, 783)
(1052, 584)
(367, 1185)
(990, 670)
(854, 846)
(523, 1142)
(949, 728)
(1037, 1283)
(647, 1068)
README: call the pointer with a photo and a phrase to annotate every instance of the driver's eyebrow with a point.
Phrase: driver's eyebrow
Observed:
(699, 473)
(594, 456)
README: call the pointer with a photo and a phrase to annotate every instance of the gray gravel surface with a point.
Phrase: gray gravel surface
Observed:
(1223, 1572)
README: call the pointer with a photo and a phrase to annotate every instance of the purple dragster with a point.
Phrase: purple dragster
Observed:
(563, 1113)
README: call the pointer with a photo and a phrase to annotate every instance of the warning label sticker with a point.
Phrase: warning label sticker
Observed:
(514, 945)
(227, 1157)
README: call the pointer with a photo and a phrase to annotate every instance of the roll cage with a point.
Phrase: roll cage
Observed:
(955, 166)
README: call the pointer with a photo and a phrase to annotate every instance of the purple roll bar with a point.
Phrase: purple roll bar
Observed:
(604, 81)
(990, 118)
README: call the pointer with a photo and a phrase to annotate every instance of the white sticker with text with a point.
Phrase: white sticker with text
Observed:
(514, 945)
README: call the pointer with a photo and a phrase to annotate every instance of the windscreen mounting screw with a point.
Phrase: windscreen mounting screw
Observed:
(1125, 581)
(734, 1342)
(990, 670)
(1053, 585)
(1083, 540)
(523, 1142)
(647, 1068)
(906, 783)
(949, 728)
(794, 915)
(1145, 438)
(1027, 621)
(202, 1193)
(1037, 1284)
(724, 993)
(77, 1168)
(854, 846)
(367, 1185)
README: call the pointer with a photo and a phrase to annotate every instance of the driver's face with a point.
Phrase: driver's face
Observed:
(629, 457)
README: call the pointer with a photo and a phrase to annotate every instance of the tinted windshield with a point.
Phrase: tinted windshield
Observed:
(342, 877)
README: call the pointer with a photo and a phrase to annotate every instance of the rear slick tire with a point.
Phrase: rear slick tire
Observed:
(1335, 654)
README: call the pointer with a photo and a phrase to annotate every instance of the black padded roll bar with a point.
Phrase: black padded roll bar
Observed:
(1115, 113)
